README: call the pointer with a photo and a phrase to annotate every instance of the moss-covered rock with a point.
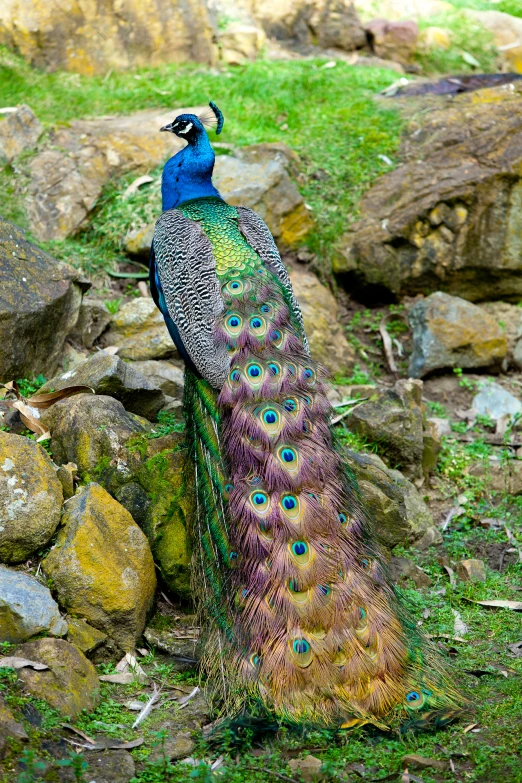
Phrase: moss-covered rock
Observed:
(70, 684)
(26, 608)
(139, 331)
(102, 567)
(9, 728)
(30, 498)
(145, 473)
(84, 636)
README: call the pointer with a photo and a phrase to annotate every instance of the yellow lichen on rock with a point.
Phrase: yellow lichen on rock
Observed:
(102, 566)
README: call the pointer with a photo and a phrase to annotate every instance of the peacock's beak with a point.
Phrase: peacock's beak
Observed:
(167, 128)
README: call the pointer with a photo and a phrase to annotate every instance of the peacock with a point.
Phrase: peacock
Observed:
(300, 619)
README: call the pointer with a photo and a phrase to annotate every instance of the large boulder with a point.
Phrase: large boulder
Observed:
(146, 473)
(393, 419)
(39, 304)
(168, 375)
(393, 40)
(70, 684)
(325, 334)
(19, 131)
(68, 175)
(449, 332)
(509, 318)
(102, 567)
(93, 319)
(30, 498)
(398, 513)
(112, 376)
(449, 217)
(26, 608)
(139, 331)
(97, 37)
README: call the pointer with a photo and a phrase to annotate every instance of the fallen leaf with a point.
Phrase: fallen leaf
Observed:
(122, 678)
(79, 732)
(14, 662)
(137, 183)
(108, 744)
(516, 606)
(516, 649)
(470, 727)
(44, 401)
(112, 350)
(445, 636)
(423, 762)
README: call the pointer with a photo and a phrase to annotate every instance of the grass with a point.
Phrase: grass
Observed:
(471, 50)
(513, 7)
(333, 122)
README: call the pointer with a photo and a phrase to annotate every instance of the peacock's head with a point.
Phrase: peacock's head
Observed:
(189, 127)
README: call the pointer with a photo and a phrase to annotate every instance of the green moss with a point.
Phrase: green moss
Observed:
(471, 49)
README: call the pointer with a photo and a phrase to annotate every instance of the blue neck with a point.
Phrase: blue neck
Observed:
(188, 174)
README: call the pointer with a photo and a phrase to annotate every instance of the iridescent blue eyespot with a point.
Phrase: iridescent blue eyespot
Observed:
(235, 285)
(275, 334)
(274, 369)
(365, 563)
(260, 498)
(289, 502)
(308, 373)
(325, 589)
(254, 371)
(255, 660)
(289, 405)
(413, 696)
(265, 308)
(342, 518)
(235, 375)
(362, 613)
(299, 548)
(301, 646)
(288, 455)
(270, 417)
(233, 321)
(256, 323)
(233, 555)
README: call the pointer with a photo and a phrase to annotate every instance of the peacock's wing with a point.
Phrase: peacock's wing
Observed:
(187, 283)
(258, 236)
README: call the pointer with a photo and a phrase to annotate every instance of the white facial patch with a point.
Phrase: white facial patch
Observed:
(186, 130)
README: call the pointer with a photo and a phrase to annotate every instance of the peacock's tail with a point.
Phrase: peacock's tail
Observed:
(302, 617)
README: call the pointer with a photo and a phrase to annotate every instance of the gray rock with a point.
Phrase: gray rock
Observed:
(93, 319)
(39, 304)
(394, 420)
(111, 376)
(496, 402)
(451, 332)
(167, 375)
(70, 684)
(169, 642)
(30, 498)
(19, 131)
(139, 331)
(9, 728)
(399, 514)
(110, 766)
(173, 748)
(26, 608)
(401, 569)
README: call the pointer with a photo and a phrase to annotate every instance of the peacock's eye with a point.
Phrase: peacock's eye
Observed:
(274, 368)
(289, 405)
(413, 696)
(299, 548)
(342, 518)
(270, 416)
(235, 376)
(234, 322)
(288, 455)
(259, 498)
(289, 502)
(325, 589)
(265, 308)
(254, 371)
(256, 323)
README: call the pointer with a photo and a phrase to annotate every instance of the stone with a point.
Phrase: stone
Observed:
(401, 569)
(67, 176)
(169, 641)
(110, 766)
(26, 608)
(449, 332)
(19, 132)
(148, 475)
(257, 178)
(507, 34)
(167, 375)
(173, 748)
(30, 498)
(103, 37)
(9, 728)
(496, 402)
(309, 768)
(471, 571)
(393, 40)
(70, 684)
(240, 42)
(328, 24)
(102, 567)
(394, 420)
(442, 426)
(39, 296)
(434, 38)
(455, 168)
(84, 636)
(111, 376)
(66, 475)
(399, 514)
(139, 331)
(432, 537)
(432, 444)
(499, 476)
(93, 319)
(326, 337)
(509, 318)
(138, 241)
